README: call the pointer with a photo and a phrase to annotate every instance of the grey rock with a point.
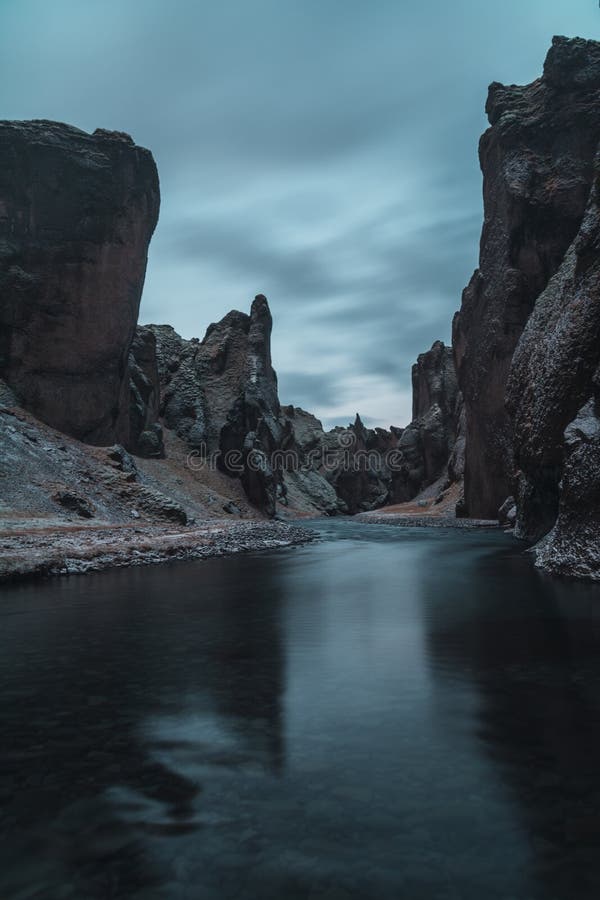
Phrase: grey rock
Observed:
(220, 396)
(507, 514)
(572, 547)
(74, 503)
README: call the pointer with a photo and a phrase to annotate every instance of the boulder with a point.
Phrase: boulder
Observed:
(572, 548)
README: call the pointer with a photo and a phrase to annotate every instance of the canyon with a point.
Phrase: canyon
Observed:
(130, 426)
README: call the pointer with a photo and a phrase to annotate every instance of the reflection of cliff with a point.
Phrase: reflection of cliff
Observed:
(241, 666)
(533, 658)
(85, 783)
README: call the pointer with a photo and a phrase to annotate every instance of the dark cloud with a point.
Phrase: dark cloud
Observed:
(322, 153)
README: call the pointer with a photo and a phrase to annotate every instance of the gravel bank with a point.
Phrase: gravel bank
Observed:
(424, 521)
(74, 549)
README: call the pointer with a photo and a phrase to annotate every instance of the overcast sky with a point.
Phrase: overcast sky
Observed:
(322, 152)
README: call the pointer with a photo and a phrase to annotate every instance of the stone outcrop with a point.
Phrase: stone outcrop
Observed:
(365, 461)
(537, 160)
(220, 396)
(359, 463)
(304, 465)
(77, 212)
(145, 432)
(369, 468)
(428, 443)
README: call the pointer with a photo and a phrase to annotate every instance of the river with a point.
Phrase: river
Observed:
(387, 713)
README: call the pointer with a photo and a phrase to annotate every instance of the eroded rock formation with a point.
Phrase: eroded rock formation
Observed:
(357, 469)
(77, 212)
(220, 395)
(427, 444)
(345, 470)
(537, 161)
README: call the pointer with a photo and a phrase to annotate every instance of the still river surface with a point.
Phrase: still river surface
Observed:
(388, 713)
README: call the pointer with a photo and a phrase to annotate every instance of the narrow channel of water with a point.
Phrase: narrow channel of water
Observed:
(389, 713)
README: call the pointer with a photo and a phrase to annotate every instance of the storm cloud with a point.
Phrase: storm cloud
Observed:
(322, 153)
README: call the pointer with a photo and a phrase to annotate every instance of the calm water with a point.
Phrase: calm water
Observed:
(386, 714)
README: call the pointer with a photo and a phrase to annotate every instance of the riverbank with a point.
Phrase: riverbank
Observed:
(423, 521)
(431, 509)
(40, 549)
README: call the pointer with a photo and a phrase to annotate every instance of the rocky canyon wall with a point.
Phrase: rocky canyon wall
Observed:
(77, 212)
(527, 338)
(428, 443)
(553, 396)
(537, 160)
(220, 396)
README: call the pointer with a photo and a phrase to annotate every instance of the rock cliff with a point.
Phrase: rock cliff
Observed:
(345, 470)
(553, 394)
(428, 442)
(145, 433)
(220, 396)
(77, 212)
(537, 160)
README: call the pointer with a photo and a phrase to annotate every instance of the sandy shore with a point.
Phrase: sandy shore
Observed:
(31, 549)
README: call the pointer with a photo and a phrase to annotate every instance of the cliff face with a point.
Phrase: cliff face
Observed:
(77, 212)
(553, 396)
(537, 161)
(428, 442)
(220, 396)
(357, 469)
(145, 433)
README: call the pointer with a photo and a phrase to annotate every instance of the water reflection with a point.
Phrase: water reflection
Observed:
(531, 647)
(386, 714)
(112, 693)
